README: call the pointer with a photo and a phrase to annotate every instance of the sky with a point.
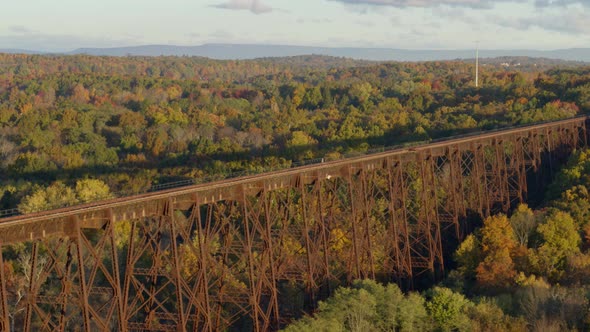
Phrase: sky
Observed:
(63, 25)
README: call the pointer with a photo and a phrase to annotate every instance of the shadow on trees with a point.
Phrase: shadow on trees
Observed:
(155, 172)
(192, 159)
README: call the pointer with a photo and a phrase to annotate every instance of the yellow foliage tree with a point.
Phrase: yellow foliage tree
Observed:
(54, 196)
(497, 243)
(90, 190)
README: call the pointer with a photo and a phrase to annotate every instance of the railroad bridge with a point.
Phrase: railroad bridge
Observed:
(251, 252)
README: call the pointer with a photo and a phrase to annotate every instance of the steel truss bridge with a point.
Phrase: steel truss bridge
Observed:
(245, 253)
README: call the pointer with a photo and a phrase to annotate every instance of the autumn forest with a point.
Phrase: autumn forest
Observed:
(77, 129)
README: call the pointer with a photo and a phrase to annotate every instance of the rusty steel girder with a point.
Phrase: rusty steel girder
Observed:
(242, 252)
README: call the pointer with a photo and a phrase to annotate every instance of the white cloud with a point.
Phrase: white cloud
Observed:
(255, 6)
(19, 29)
(548, 3)
(428, 3)
(461, 3)
(570, 22)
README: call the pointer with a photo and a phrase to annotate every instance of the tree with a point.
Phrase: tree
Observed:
(361, 92)
(368, 306)
(300, 139)
(8, 152)
(90, 190)
(54, 196)
(412, 314)
(468, 256)
(132, 122)
(388, 300)
(448, 309)
(571, 175)
(312, 98)
(559, 240)
(523, 224)
(556, 308)
(497, 268)
(80, 94)
(157, 139)
(576, 202)
(18, 281)
(348, 310)
(486, 316)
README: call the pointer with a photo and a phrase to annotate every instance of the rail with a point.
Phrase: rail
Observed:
(13, 212)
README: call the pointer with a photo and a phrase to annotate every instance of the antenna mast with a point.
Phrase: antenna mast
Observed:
(477, 66)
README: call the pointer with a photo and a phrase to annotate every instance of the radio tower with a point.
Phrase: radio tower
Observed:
(477, 65)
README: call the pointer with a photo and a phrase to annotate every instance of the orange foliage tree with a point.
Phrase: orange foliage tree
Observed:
(496, 270)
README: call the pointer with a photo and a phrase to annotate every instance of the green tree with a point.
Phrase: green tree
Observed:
(348, 310)
(576, 202)
(368, 306)
(468, 256)
(361, 92)
(412, 314)
(448, 309)
(559, 240)
(571, 175)
(312, 98)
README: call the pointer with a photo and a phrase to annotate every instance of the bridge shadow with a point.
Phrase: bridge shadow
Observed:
(158, 172)
(398, 138)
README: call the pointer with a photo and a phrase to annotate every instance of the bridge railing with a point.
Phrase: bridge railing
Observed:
(218, 177)
(9, 213)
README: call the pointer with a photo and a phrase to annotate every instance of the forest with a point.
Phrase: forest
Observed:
(80, 128)
(77, 129)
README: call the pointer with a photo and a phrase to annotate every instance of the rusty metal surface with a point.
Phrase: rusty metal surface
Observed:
(204, 257)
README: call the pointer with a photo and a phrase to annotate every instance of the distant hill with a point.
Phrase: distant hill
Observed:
(253, 51)
(245, 51)
(18, 51)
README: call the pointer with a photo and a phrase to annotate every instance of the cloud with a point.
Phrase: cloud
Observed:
(221, 34)
(19, 29)
(429, 3)
(365, 23)
(314, 20)
(562, 3)
(255, 6)
(571, 22)
(479, 4)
